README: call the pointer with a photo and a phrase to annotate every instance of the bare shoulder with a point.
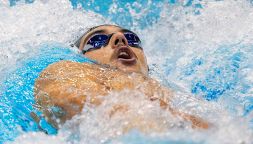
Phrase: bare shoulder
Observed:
(66, 66)
(67, 73)
(85, 75)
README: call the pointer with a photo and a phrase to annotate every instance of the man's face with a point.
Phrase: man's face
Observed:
(117, 52)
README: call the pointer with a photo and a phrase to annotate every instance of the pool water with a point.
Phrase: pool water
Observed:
(202, 49)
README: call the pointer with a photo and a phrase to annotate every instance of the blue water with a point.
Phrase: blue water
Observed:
(121, 15)
(17, 97)
(220, 75)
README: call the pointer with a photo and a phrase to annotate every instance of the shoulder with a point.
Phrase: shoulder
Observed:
(62, 73)
(64, 65)
(66, 68)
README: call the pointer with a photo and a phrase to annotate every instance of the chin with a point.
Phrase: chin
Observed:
(130, 69)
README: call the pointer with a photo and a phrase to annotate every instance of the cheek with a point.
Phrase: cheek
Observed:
(99, 55)
(141, 57)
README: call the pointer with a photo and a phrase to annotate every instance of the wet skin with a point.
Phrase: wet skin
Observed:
(69, 85)
(110, 54)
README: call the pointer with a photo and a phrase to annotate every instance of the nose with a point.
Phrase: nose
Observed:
(118, 39)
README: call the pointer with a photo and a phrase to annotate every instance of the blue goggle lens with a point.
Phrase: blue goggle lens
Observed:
(133, 40)
(99, 40)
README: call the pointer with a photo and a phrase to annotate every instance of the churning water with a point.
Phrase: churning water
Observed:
(202, 50)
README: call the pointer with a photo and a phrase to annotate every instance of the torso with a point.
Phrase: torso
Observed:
(70, 85)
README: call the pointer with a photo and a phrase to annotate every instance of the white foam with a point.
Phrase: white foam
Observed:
(25, 26)
(170, 44)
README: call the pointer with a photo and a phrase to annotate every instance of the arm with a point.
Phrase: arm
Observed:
(197, 122)
(65, 85)
(157, 92)
(164, 97)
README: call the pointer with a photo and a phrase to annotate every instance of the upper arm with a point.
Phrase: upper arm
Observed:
(63, 84)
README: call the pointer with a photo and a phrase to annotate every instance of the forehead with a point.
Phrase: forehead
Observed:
(107, 28)
(104, 29)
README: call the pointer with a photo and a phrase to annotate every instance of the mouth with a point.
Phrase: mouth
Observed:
(126, 56)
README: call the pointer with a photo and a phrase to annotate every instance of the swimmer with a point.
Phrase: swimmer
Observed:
(120, 64)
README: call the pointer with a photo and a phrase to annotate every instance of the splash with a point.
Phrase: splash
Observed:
(25, 26)
(202, 51)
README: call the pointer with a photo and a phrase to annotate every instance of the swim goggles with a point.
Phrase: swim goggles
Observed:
(100, 40)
